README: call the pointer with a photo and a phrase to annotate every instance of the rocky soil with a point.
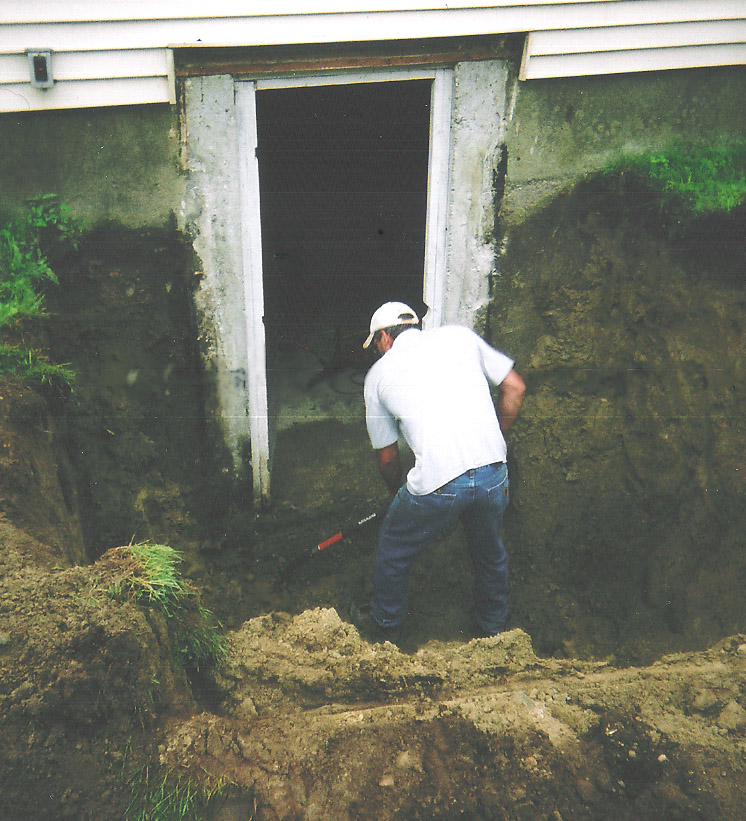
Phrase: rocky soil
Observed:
(619, 692)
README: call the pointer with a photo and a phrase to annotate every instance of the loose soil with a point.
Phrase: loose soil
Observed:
(618, 692)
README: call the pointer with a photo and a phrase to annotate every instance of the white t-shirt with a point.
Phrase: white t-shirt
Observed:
(433, 388)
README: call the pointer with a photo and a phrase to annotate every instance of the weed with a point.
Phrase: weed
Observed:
(24, 269)
(159, 796)
(47, 213)
(34, 367)
(694, 178)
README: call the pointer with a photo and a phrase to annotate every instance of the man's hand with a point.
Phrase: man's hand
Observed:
(390, 466)
(512, 390)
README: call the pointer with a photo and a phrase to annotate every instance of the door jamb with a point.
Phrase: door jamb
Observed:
(253, 282)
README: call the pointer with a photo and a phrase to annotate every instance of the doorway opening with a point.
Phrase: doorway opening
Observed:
(344, 200)
(343, 177)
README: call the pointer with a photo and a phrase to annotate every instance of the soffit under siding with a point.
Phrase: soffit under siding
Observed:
(331, 57)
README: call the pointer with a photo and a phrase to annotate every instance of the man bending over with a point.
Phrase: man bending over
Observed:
(433, 389)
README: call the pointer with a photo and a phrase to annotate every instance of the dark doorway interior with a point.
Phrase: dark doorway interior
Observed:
(343, 178)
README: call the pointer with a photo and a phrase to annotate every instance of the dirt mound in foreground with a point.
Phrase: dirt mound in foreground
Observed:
(308, 721)
(318, 724)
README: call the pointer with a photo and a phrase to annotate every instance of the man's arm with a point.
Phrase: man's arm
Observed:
(512, 390)
(390, 466)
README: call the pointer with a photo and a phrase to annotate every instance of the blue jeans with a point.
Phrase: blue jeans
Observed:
(479, 496)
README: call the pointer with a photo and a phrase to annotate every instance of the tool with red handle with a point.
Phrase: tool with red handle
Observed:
(339, 536)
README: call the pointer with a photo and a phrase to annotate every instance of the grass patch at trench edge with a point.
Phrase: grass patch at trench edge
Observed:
(694, 178)
(148, 574)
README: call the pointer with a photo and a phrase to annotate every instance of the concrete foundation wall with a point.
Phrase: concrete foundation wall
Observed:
(563, 130)
(107, 164)
(478, 131)
(122, 163)
(211, 216)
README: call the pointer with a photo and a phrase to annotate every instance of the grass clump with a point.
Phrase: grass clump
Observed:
(148, 573)
(167, 797)
(34, 367)
(200, 642)
(694, 178)
(24, 273)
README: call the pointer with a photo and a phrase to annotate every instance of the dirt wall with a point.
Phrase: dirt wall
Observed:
(37, 484)
(628, 486)
(138, 428)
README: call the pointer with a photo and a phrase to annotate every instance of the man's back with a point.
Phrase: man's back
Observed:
(434, 387)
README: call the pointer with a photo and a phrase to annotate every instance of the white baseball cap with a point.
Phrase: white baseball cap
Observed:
(388, 315)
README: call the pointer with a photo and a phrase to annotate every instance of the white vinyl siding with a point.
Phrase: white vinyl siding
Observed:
(89, 65)
(90, 78)
(116, 53)
(63, 11)
(615, 50)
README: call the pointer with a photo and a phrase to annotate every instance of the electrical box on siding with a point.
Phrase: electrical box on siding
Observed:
(40, 68)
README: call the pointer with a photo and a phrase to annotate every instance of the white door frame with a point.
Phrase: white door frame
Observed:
(253, 289)
(435, 235)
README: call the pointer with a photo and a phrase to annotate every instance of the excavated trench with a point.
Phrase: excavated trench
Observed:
(624, 531)
(627, 479)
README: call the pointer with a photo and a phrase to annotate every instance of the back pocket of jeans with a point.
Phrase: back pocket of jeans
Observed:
(500, 491)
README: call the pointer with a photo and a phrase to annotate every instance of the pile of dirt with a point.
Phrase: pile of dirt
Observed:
(85, 681)
(317, 724)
